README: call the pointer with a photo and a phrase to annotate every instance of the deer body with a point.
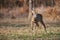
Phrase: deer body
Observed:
(37, 18)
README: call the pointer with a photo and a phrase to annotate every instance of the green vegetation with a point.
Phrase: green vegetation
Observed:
(29, 37)
(17, 31)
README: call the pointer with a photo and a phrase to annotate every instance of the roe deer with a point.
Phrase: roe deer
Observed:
(36, 17)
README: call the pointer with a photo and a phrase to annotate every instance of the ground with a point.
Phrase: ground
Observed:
(19, 29)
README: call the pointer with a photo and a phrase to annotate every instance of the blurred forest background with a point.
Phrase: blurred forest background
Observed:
(50, 9)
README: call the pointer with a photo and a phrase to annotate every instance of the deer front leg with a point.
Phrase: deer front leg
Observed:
(31, 25)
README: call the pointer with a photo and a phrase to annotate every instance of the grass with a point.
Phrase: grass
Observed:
(20, 31)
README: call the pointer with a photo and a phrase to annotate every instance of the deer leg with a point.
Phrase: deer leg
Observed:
(32, 25)
(37, 24)
(43, 25)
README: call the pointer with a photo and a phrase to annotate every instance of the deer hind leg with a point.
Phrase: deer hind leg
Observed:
(43, 25)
